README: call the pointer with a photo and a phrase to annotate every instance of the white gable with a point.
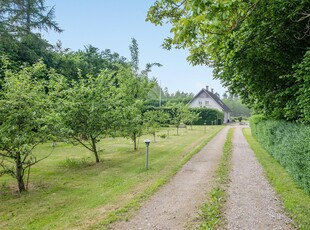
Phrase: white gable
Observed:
(204, 100)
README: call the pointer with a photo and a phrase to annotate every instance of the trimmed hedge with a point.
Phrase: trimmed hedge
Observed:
(208, 116)
(288, 143)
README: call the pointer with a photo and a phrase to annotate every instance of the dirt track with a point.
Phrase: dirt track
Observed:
(252, 204)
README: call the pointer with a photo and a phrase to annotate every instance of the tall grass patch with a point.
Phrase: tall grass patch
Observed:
(288, 143)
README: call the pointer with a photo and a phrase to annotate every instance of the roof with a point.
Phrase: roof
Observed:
(215, 97)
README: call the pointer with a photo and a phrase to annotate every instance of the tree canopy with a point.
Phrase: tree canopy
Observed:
(27, 118)
(254, 46)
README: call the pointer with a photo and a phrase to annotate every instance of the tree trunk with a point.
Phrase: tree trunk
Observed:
(154, 135)
(134, 141)
(94, 147)
(20, 173)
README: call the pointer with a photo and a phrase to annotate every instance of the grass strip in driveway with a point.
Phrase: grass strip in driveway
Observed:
(296, 202)
(211, 212)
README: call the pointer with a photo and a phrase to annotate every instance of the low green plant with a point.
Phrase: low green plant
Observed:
(295, 200)
(163, 136)
(73, 163)
(211, 212)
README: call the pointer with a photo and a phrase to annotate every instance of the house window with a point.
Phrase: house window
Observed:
(206, 102)
(199, 102)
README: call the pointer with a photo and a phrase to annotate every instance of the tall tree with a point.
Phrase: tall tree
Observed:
(20, 23)
(135, 91)
(25, 16)
(252, 45)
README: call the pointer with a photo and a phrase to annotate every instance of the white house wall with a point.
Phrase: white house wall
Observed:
(203, 100)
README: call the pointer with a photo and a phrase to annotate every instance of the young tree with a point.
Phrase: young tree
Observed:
(135, 90)
(180, 114)
(27, 119)
(190, 117)
(153, 120)
(92, 109)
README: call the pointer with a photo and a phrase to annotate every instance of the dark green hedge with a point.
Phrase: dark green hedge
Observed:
(209, 116)
(288, 143)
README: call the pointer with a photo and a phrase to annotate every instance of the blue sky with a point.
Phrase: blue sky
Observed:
(110, 24)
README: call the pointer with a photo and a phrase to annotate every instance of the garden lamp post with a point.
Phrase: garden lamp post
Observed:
(205, 126)
(147, 143)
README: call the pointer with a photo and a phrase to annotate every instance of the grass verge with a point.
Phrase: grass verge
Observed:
(69, 191)
(296, 202)
(211, 212)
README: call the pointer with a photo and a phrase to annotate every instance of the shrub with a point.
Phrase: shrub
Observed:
(288, 143)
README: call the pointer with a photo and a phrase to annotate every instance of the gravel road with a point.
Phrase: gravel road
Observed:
(252, 203)
(176, 204)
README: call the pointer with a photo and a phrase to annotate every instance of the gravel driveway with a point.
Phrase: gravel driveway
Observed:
(176, 204)
(251, 204)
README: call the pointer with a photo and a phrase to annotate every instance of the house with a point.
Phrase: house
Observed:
(209, 99)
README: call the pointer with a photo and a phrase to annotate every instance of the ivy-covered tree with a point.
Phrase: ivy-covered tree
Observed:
(27, 118)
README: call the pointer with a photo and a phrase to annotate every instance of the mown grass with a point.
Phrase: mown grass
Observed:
(69, 190)
(296, 202)
(212, 211)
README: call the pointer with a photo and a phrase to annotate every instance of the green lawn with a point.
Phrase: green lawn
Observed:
(296, 202)
(69, 190)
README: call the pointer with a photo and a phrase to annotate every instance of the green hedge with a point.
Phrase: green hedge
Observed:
(288, 143)
(208, 116)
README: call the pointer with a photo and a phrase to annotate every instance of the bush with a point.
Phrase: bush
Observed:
(288, 143)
